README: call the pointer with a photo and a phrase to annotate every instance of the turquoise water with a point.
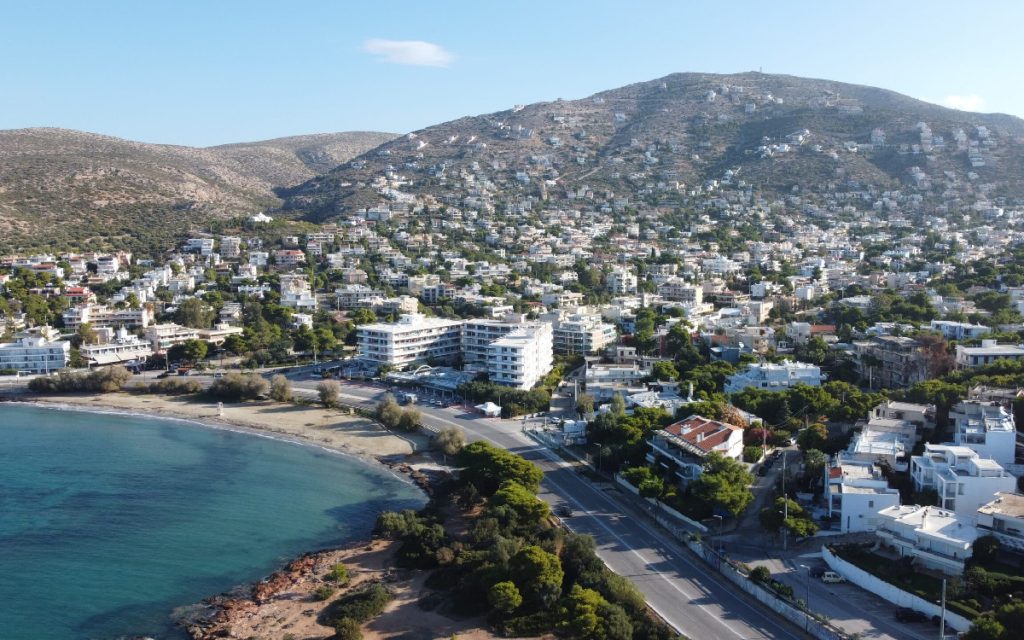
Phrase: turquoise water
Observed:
(107, 522)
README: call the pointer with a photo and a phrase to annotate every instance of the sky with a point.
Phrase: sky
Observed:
(211, 72)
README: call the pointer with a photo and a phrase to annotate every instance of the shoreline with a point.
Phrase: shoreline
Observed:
(276, 595)
(332, 431)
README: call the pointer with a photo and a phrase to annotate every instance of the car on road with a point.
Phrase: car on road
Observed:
(563, 511)
(762, 471)
(906, 614)
(831, 577)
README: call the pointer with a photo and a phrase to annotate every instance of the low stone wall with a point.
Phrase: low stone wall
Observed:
(661, 506)
(891, 593)
(786, 609)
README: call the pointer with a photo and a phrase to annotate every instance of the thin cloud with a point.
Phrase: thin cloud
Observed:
(970, 102)
(414, 52)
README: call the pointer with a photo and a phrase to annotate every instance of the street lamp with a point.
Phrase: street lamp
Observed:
(807, 596)
(598, 446)
(721, 521)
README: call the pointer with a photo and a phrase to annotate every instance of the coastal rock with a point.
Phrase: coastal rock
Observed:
(296, 571)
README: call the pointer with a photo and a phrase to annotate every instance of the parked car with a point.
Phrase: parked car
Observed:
(563, 511)
(762, 471)
(831, 577)
(906, 614)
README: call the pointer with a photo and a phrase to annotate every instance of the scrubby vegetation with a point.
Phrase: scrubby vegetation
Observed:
(528, 576)
(105, 380)
(236, 387)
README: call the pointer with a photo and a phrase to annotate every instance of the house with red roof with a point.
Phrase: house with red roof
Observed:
(683, 446)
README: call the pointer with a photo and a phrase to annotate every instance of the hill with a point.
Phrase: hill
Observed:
(60, 187)
(684, 132)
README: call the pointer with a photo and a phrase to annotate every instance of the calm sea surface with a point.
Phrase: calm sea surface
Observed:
(108, 522)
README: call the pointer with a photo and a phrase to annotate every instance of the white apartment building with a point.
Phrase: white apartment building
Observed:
(164, 336)
(478, 334)
(583, 334)
(921, 415)
(1004, 519)
(522, 357)
(35, 353)
(774, 377)
(985, 427)
(935, 538)
(124, 348)
(353, 296)
(621, 281)
(682, 291)
(884, 439)
(958, 330)
(987, 353)
(103, 316)
(855, 492)
(963, 479)
(605, 380)
(296, 294)
(203, 246)
(230, 246)
(414, 338)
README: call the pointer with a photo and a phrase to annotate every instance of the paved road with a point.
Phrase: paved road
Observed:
(698, 602)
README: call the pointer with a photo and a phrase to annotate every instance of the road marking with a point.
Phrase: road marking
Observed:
(528, 445)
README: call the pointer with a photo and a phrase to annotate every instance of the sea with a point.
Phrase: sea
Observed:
(110, 522)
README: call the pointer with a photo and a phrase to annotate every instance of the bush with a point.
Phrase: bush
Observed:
(760, 574)
(281, 388)
(752, 454)
(329, 392)
(348, 629)
(323, 592)
(236, 387)
(361, 606)
(339, 574)
(105, 380)
(175, 386)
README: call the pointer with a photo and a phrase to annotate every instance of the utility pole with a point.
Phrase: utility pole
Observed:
(942, 618)
(785, 506)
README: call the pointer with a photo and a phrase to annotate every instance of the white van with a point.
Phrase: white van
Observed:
(832, 577)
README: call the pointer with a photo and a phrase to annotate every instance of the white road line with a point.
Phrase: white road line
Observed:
(625, 544)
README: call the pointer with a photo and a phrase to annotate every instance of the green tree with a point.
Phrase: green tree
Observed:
(813, 437)
(664, 370)
(195, 350)
(815, 462)
(618, 405)
(585, 404)
(504, 597)
(193, 312)
(86, 334)
(487, 467)
(724, 484)
(538, 574)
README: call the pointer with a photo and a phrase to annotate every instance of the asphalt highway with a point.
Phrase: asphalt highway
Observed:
(688, 595)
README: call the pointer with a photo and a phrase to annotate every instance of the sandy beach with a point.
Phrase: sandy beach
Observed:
(333, 429)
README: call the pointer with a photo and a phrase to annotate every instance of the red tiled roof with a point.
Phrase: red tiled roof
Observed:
(701, 432)
(835, 472)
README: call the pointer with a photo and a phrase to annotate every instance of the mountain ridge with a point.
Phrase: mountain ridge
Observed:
(688, 128)
(76, 183)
